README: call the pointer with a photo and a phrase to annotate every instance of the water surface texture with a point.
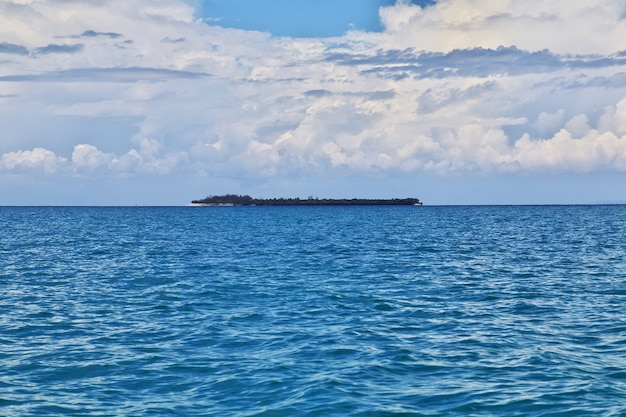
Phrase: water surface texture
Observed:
(313, 311)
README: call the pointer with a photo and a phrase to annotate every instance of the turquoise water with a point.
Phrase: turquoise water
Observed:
(313, 311)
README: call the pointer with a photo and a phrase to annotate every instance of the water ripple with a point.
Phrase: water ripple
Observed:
(368, 311)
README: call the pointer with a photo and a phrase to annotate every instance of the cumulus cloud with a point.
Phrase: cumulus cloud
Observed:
(561, 26)
(578, 125)
(38, 160)
(614, 118)
(459, 86)
(564, 152)
(548, 123)
(88, 158)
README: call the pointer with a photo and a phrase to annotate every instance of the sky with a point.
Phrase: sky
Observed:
(158, 102)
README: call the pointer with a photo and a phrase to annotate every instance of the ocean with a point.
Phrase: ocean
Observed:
(313, 311)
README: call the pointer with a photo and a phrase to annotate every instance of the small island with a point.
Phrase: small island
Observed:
(246, 200)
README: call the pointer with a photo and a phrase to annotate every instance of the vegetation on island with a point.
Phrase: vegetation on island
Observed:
(246, 200)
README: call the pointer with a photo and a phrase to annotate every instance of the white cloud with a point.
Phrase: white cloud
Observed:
(578, 125)
(548, 123)
(38, 160)
(563, 26)
(237, 104)
(565, 153)
(88, 158)
(614, 118)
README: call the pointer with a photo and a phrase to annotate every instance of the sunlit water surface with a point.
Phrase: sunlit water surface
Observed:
(313, 311)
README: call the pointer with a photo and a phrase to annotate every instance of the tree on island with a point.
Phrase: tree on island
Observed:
(243, 200)
(246, 200)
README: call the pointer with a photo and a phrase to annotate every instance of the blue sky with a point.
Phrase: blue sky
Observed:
(297, 18)
(158, 102)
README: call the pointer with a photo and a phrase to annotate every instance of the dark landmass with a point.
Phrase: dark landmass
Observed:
(246, 200)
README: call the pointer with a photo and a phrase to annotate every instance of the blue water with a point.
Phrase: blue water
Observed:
(313, 311)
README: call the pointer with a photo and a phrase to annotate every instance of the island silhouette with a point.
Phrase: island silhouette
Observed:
(246, 200)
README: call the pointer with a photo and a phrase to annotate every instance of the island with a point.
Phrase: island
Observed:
(246, 200)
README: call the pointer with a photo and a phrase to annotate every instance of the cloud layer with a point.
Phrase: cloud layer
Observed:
(459, 86)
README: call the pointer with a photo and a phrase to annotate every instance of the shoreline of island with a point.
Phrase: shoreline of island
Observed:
(230, 200)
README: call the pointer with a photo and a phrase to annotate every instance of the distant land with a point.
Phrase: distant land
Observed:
(246, 200)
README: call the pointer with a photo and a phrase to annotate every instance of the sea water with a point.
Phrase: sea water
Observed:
(313, 311)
